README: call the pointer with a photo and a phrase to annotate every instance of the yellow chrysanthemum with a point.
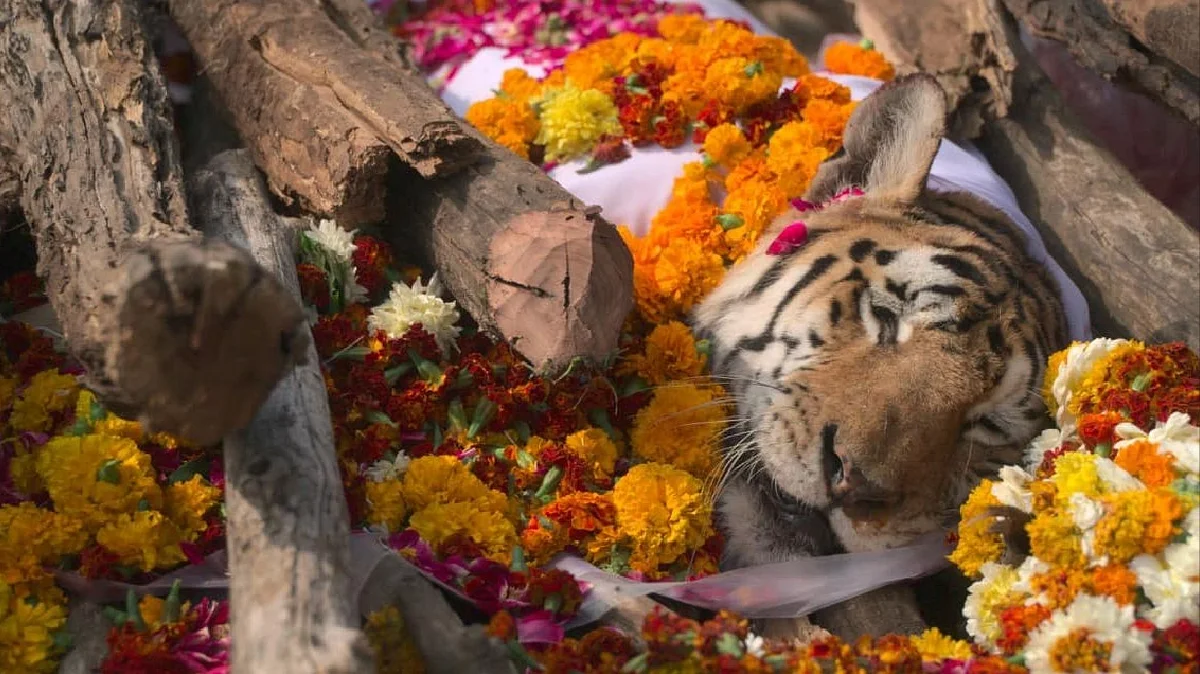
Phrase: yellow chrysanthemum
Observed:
(395, 651)
(682, 427)
(31, 537)
(23, 470)
(670, 354)
(663, 513)
(1054, 539)
(977, 545)
(794, 153)
(1137, 522)
(147, 540)
(48, 392)
(935, 646)
(490, 530)
(1075, 473)
(443, 479)
(596, 449)
(573, 120)
(97, 476)
(117, 427)
(186, 503)
(30, 618)
(385, 505)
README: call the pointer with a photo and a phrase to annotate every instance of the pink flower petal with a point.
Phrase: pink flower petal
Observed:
(791, 238)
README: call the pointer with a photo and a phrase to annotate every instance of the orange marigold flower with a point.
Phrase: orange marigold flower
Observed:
(830, 119)
(681, 276)
(1143, 461)
(846, 58)
(1097, 428)
(812, 87)
(510, 123)
(670, 354)
(518, 85)
(1115, 581)
(726, 144)
(682, 28)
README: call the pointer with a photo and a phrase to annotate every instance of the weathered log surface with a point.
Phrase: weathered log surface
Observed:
(164, 323)
(321, 114)
(1151, 46)
(447, 646)
(291, 602)
(88, 628)
(1134, 259)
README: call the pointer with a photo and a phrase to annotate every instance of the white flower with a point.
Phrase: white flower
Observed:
(1031, 567)
(1104, 621)
(1177, 437)
(995, 585)
(384, 470)
(1191, 526)
(1048, 440)
(754, 645)
(1012, 491)
(1172, 584)
(337, 241)
(408, 305)
(1080, 358)
(1087, 514)
(1114, 477)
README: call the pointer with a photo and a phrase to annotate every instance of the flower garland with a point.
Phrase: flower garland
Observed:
(1109, 503)
(164, 636)
(713, 83)
(85, 492)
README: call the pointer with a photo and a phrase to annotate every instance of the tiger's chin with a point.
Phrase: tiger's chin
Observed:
(871, 532)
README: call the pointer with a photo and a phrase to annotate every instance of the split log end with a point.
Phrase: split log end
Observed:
(182, 307)
(560, 285)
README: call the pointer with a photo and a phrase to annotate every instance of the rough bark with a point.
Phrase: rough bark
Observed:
(291, 602)
(167, 326)
(88, 628)
(321, 114)
(1150, 46)
(446, 645)
(1134, 259)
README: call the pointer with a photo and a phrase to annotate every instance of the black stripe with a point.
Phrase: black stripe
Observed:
(860, 249)
(835, 312)
(900, 290)
(959, 267)
(939, 289)
(884, 257)
(819, 267)
(889, 326)
(996, 340)
(768, 278)
(815, 340)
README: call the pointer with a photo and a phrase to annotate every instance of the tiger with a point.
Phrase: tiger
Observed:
(884, 367)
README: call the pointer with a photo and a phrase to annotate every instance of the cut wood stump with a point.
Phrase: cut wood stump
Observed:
(169, 328)
(320, 114)
(292, 608)
(1134, 259)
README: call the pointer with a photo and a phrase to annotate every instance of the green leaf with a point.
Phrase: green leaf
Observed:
(634, 385)
(599, 418)
(352, 353)
(109, 472)
(377, 417)
(729, 221)
(637, 664)
(457, 415)
(143, 505)
(62, 641)
(1141, 381)
(866, 44)
(189, 470)
(171, 606)
(393, 374)
(729, 644)
(518, 560)
(133, 611)
(549, 483)
(523, 432)
(485, 409)
(753, 69)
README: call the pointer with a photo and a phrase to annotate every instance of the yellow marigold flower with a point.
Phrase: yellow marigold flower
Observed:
(8, 392)
(935, 646)
(489, 529)
(1101, 373)
(670, 354)
(48, 392)
(1058, 587)
(510, 123)
(1054, 539)
(186, 503)
(740, 83)
(811, 87)
(681, 276)
(117, 427)
(977, 545)
(23, 470)
(444, 479)
(385, 505)
(153, 609)
(146, 539)
(30, 617)
(1137, 522)
(847, 58)
(757, 203)
(829, 119)
(596, 449)
(33, 537)
(1053, 367)
(794, 153)
(726, 144)
(683, 28)
(573, 120)
(395, 651)
(1115, 581)
(663, 512)
(1075, 473)
(97, 476)
(682, 427)
(518, 85)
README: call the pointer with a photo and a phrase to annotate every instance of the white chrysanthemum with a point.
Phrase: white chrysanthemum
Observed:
(337, 241)
(1013, 489)
(384, 469)
(408, 305)
(1029, 568)
(1086, 513)
(1104, 621)
(1048, 440)
(1172, 584)
(997, 582)
(1081, 356)
(755, 645)
(1114, 477)
(1177, 437)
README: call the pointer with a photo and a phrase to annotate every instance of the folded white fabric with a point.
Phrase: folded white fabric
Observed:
(631, 192)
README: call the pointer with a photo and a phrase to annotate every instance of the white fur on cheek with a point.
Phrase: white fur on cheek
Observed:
(792, 454)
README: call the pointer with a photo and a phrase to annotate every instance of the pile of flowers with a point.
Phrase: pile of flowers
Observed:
(168, 636)
(713, 84)
(84, 492)
(1107, 507)
(444, 34)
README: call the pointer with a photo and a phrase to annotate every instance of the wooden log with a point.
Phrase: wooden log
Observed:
(170, 329)
(1151, 46)
(88, 628)
(1134, 259)
(325, 114)
(291, 602)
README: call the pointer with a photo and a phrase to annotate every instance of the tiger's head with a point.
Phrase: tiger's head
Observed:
(896, 357)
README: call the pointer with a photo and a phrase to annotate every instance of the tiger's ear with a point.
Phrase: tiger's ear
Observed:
(889, 144)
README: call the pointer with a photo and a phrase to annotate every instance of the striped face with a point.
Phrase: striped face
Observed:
(889, 363)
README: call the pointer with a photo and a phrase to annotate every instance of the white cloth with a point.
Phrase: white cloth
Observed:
(631, 192)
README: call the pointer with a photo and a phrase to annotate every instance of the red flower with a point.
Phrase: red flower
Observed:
(370, 444)
(671, 127)
(371, 258)
(1097, 428)
(712, 115)
(635, 117)
(610, 150)
(554, 589)
(333, 333)
(314, 285)
(23, 290)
